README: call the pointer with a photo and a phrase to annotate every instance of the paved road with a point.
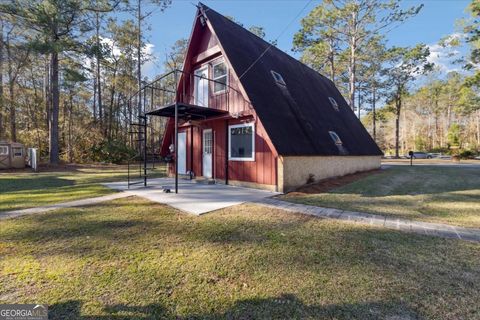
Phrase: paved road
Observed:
(435, 163)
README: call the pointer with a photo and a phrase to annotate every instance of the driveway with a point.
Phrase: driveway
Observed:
(193, 197)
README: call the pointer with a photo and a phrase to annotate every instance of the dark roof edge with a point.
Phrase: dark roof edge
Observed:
(266, 42)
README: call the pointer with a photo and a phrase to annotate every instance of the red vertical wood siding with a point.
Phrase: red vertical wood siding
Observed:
(263, 169)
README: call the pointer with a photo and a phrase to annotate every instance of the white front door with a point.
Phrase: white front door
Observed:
(182, 153)
(201, 87)
(207, 153)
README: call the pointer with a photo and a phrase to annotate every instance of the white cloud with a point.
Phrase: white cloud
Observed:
(149, 68)
(444, 56)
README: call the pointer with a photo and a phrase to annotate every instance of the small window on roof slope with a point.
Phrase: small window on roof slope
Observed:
(336, 139)
(334, 103)
(278, 78)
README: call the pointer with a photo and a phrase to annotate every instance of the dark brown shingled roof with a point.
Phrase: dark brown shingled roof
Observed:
(299, 116)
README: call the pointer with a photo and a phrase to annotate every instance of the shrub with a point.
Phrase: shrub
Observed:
(440, 150)
(466, 154)
(112, 151)
(311, 178)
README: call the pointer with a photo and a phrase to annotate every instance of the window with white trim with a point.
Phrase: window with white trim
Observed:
(3, 150)
(17, 152)
(334, 103)
(241, 141)
(220, 77)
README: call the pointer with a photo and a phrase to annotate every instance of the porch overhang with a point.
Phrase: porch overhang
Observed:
(187, 112)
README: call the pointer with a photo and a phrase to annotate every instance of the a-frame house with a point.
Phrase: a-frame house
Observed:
(251, 115)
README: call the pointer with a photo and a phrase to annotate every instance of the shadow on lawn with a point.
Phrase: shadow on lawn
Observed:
(33, 183)
(286, 306)
(413, 181)
(292, 243)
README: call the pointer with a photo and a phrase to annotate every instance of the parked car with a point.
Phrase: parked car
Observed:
(420, 155)
(432, 155)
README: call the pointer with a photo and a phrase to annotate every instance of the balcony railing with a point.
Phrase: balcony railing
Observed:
(178, 86)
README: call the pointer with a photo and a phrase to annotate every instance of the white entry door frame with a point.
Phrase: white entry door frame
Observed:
(182, 153)
(201, 91)
(207, 152)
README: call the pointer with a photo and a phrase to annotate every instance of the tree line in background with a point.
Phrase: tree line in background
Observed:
(69, 70)
(346, 41)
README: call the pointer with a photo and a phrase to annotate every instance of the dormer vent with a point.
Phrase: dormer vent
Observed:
(334, 103)
(278, 78)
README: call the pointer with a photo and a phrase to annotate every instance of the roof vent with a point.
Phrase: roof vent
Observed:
(338, 142)
(335, 138)
(334, 103)
(278, 78)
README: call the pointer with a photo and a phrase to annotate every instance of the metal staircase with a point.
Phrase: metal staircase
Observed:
(175, 92)
(142, 164)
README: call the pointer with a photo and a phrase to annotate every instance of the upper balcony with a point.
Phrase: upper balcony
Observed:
(196, 96)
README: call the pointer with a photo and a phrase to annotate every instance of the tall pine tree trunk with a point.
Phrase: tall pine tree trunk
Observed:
(2, 133)
(353, 60)
(11, 100)
(47, 96)
(13, 116)
(352, 79)
(359, 102)
(139, 74)
(478, 128)
(55, 95)
(398, 107)
(331, 58)
(112, 100)
(70, 147)
(139, 56)
(374, 116)
(99, 82)
(94, 107)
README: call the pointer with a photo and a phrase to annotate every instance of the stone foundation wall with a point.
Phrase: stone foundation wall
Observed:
(293, 172)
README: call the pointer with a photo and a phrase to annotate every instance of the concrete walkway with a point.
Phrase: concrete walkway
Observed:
(198, 199)
(76, 203)
(425, 228)
(192, 197)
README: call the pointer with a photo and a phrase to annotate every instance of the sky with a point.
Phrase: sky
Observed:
(436, 20)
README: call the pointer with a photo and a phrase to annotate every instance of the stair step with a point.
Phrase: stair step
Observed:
(205, 180)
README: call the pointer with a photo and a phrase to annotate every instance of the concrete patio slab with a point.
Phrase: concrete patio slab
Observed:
(193, 197)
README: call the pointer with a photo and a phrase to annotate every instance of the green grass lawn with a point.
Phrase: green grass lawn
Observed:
(134, 259)
(26, 189)
(434, 194)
